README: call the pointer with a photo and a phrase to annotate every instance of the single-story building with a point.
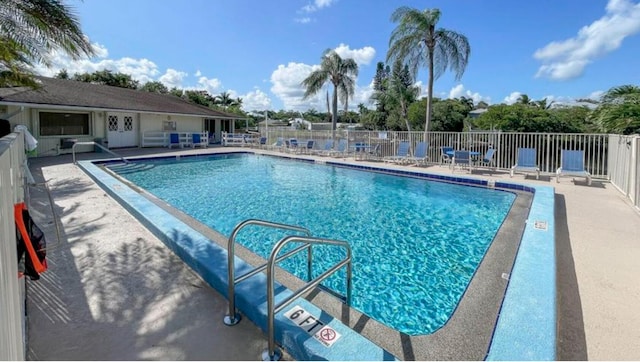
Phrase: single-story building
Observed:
(63, 111)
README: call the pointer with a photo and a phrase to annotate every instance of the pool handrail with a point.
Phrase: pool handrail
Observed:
(272, 353)
(232, 318)
(87, 143)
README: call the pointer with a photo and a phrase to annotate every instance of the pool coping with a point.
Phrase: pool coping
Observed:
(527, 319)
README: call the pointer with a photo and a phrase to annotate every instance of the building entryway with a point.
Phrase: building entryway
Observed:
(122, 130)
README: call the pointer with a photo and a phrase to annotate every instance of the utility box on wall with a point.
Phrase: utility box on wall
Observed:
(67, 143)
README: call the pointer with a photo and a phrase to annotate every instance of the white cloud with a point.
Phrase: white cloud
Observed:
(304, 20)
(567, 59)
(317, 5)
(287, 86)
(459, 91)
(198, 73)
(173, 78)
(256, 100)
(211, 85)
(512, 98)
(142, 70)
(362, 56)
(595, 95)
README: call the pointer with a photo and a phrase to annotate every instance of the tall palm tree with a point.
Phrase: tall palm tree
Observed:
(341, 73)
(29, 31)
(619, 110)
(418, 43)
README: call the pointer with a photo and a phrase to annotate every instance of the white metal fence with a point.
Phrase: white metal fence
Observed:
(547, 145)
(624, 165)
(12, 292)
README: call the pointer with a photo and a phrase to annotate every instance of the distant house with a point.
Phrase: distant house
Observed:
(477, 112)
(62, 110)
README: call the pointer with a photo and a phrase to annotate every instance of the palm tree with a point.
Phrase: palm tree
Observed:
(524, 99)
(418, 43)
(223, 99)
(29, 30)
(619, 110)
(341, 73)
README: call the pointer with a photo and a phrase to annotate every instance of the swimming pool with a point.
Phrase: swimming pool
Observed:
(416, 243)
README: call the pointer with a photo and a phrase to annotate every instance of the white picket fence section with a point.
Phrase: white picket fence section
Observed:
(12, 288)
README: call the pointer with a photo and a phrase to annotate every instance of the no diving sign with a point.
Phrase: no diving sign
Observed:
(312, 325)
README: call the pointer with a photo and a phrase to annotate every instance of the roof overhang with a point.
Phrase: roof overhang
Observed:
(80, 108)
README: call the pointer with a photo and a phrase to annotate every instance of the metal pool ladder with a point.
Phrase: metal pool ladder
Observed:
(272, 353)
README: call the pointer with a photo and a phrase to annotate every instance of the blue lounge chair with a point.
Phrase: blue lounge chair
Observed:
(174, 140)
(326, 150)
(445, 156)
(487, 160)
(307, 148)
(341, 149)
(292, 145)
(263, 142)
(461, 158)
(374, 153)
(401, 155)
(526, 162)
(572, 164)
(420, 156)
(198, 141)
(278, 144)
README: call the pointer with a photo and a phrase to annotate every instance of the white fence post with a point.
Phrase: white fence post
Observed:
(12, 295)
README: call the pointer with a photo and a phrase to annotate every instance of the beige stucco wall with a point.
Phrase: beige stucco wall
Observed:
(155, 122)
(50, 145)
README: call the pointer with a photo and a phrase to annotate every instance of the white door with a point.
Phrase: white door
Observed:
(122, 130)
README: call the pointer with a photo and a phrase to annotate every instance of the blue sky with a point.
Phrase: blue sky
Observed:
(260, 50)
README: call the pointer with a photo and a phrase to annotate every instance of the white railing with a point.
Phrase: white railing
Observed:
(12, 291)
(240, 139)
(161, 139)
(624, 166)
(548, 145)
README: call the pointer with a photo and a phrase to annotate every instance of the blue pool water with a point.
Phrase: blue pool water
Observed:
(416, 243)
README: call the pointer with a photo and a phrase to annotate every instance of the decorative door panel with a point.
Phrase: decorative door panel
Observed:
(122, 130)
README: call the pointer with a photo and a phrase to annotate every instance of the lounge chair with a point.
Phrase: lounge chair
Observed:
(526, 162)
(198, 141)
(374, 154)
(326, 150)
(278, 144)
(174, 140)
(420, 156)
(572, 164)
(341, 150)
(401, 155)
(263, 142)
(461, 158)
(445, 156)
(307, 148)
(292, 145)
(487, 160)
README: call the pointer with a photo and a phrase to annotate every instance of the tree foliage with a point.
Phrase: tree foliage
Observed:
(339, 72)
(619, 110)
(107, 77)
(29, 31)
(155, 87)
(417, 42)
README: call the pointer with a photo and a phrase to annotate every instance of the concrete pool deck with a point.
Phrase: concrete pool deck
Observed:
(115, 287)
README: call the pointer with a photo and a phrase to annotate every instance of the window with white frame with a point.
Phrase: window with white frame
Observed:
(64, 124)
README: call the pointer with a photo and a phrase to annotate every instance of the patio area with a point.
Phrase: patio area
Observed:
(113, 291)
